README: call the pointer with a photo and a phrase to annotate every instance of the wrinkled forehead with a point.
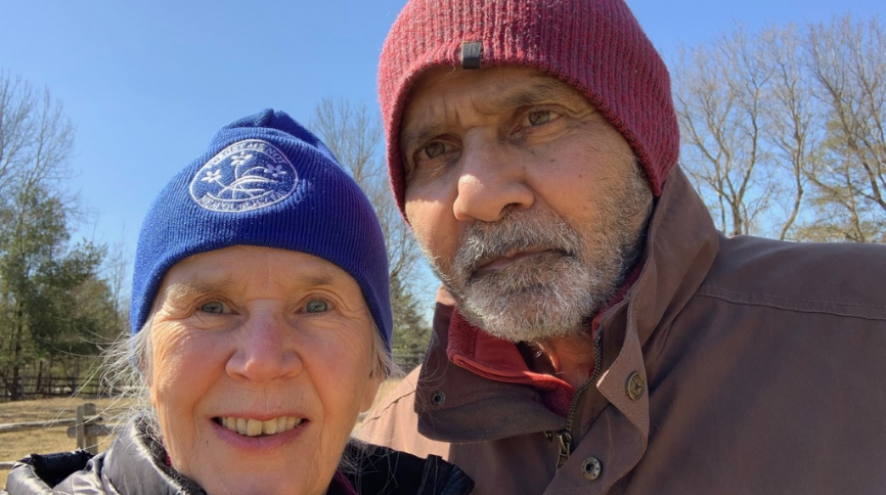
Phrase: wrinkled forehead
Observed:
(489, 81)
(254, 269)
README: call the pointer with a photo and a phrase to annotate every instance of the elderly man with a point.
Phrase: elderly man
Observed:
(601, 336)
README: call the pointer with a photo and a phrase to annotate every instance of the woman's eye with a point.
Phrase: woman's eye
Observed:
(213, 307)
(539, 117)
(317, 306)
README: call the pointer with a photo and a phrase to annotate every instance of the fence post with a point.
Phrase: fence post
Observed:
(85, 417)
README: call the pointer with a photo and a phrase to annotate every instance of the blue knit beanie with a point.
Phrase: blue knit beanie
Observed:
(265, 181)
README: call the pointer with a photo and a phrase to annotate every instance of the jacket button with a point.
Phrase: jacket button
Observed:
(635, 386)
(438, 398)
(591, 468)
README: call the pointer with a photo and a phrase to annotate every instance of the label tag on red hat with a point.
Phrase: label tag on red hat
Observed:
(470, 54)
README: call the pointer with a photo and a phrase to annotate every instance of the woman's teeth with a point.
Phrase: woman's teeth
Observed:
(254, 427)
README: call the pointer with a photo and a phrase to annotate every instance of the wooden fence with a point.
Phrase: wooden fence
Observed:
(86, 427)
(48, 385)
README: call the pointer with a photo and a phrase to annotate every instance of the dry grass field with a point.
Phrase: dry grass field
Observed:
(14, 446)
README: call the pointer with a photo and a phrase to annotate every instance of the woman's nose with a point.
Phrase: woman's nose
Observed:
(265, 350)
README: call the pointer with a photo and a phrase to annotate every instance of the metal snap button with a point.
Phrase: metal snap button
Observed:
(635, 386)
(438, 398)
(591, 468)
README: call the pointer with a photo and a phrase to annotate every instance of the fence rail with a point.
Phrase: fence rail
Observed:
(86, 427)
(44, 385)
(36, 425)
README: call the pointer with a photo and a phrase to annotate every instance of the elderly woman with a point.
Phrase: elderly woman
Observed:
(262, 328)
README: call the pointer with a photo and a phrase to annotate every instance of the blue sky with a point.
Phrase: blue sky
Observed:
(147, 83)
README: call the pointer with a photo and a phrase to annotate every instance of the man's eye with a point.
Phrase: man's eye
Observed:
(317, 306)
(539, 117)
(434, 150)
(213, 307)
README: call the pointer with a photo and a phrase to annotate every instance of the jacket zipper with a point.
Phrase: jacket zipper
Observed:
(565, 437)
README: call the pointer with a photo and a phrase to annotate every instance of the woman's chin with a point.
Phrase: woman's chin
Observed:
(258, 485)
(229, 463)
(292, 480)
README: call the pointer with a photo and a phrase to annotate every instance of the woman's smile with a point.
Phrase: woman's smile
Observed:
(255, 427)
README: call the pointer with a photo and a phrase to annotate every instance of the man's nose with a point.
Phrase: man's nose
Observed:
(265, 350)
(491, 181)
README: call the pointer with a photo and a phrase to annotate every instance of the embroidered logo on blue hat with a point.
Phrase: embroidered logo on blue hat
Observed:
(247, 175)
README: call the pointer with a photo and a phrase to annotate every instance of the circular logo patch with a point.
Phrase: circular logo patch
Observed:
(246, 175)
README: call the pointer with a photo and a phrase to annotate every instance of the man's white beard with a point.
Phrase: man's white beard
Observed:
(540, 297)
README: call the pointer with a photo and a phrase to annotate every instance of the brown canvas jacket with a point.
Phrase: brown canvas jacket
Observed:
(733, 366)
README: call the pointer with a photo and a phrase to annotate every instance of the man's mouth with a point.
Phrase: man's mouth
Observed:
(254, 428)
(511, 256)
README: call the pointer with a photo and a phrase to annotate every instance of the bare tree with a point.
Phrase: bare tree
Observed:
(790, 123)
(847, 61)
(720, 96)
(36, 139)
(116, 268)
(354, 136)
(784, 130)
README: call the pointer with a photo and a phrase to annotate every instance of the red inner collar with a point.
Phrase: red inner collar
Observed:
(499, 360)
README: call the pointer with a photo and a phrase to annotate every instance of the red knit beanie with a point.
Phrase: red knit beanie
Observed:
(596, 46)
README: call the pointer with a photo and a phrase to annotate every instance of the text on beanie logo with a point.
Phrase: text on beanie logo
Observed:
(247, 175)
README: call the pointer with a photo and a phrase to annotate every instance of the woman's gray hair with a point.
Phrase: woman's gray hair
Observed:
(126, 367)
(128, 364)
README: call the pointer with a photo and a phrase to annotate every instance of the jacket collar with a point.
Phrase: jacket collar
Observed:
(136, 464)
(681, 245)
(680, 248)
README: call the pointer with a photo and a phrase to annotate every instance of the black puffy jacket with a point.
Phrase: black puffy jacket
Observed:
(135, 465)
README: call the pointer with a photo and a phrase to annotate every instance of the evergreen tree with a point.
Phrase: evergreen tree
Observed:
(54, 307)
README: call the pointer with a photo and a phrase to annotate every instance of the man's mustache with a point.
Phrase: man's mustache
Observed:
(485, 242)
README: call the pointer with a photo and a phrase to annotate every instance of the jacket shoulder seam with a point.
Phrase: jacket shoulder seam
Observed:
(837, 308)
(388, 403)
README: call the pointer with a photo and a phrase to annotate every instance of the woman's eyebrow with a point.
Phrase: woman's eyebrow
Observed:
(317, 280)
(195, 288)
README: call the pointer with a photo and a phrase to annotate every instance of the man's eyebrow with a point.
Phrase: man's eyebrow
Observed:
(542, 89)
(420, 134)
